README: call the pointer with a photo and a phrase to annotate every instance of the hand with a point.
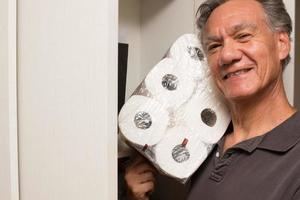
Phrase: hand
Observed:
(140, 179)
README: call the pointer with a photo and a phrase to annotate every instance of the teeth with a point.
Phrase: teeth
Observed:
(237, 73)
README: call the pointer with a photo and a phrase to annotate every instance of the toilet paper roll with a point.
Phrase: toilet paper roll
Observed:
(187, 51)
(180, 153)
(187, 45)
(169, 83)
(207, 114)
(143, 120)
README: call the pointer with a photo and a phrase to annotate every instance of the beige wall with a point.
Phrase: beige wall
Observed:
(162, 23)
(4, 129)
(8, 102)
(130, 33)
(67, 92)
(289, 73)
(297, 61)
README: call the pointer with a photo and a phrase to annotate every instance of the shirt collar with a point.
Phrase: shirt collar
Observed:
(283, 137)
(280, 139)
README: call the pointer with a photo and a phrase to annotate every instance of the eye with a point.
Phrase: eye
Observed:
(244, 37)
(212, 47)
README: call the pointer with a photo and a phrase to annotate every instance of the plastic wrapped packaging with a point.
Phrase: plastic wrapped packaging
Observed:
(176, 114)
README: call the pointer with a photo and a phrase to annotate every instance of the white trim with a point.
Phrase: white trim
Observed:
(112, 71)
(12, 90)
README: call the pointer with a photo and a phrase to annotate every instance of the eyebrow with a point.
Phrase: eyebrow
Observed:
(243, 26)
(232, 31)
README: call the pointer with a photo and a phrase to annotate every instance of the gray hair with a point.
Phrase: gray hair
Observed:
(275, 10)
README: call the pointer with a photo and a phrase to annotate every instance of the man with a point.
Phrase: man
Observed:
(247, 44)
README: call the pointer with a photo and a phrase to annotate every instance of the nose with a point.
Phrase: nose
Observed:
(229, 54)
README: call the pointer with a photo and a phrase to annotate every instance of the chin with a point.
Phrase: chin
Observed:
(240, 95)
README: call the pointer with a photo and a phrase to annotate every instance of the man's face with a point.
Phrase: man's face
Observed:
(244, 54)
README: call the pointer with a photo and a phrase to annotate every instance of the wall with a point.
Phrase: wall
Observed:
(130, 32)
(67, 98)
(8, 116)
(162, 23)
(288, 76)
(297, 58)
(4, 132)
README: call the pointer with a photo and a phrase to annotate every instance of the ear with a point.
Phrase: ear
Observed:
(284, 45)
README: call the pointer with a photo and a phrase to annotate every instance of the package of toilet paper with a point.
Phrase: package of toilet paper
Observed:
(176, 115)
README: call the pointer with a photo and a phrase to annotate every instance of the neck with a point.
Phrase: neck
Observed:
(258, 115)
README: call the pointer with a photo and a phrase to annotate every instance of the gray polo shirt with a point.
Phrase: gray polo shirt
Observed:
(266, 167)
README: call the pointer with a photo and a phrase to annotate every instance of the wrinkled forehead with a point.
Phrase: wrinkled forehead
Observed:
(232, 15)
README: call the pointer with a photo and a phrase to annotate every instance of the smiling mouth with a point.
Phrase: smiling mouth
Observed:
(236, 73)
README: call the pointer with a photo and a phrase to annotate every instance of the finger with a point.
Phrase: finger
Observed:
(147, 187)
(140, 166)
(136, 179)
(146, 177)
(142, 191)
(145, 167)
